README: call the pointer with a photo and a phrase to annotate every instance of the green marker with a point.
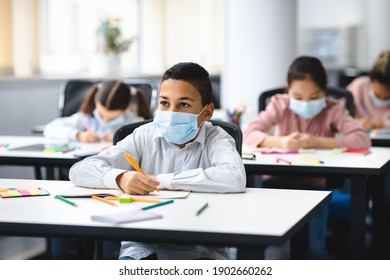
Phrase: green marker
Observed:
(65, 200)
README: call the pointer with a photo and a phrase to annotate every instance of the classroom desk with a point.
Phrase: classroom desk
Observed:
(38, 159)
(380, 140)
(357, 167)
(249, 221)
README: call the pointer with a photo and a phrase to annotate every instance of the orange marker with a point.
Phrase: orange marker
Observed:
(133, 163)
(103, 200)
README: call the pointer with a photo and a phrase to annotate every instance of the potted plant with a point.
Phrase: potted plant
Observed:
(111, 45)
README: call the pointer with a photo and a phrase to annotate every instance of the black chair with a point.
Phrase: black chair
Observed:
(337, 93)
(149, 88)
(232, 129)
(347, 75)
(72, 94)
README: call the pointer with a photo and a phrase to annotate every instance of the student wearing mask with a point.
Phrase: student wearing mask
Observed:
(180, 150)
(372, 95)
(104, 110)
(306, 118)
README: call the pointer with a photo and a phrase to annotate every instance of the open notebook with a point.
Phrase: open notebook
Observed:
(79, 192)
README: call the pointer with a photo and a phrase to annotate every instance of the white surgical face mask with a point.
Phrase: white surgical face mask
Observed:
(115, 123)
(378, 102)
(307, 109)
(177, 127)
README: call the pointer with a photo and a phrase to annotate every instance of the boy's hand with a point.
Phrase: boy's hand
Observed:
(291, 142)
(133, 182)
(87, 136)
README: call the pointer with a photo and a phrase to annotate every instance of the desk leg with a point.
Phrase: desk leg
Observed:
(358, 216)
(38, 172)
(377, 184)
(250, 252)
(98, 249)
(300, 244)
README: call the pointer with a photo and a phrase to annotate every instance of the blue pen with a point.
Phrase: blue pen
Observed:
(157, 205)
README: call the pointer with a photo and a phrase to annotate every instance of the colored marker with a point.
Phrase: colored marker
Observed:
(65, 200)
(69, 150)
(337, 151)
(279, 159)
(157, 205)
(201, 209)
(311, 160)
(134, 163)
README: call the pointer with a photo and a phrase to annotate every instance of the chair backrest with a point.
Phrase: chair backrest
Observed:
(72, 94)
(232, 129)
(337, 93)
(148, 86)
(347, 75)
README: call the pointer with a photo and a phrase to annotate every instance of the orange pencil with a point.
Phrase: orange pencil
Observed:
(135, 199)
(132, 161)
(103, 200)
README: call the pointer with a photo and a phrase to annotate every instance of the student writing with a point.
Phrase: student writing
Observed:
(306, 118)
(372, 94)
(104, 110)
(180, 150)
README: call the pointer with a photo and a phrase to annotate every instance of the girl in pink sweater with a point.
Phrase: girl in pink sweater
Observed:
(372, 94)
(306, 118)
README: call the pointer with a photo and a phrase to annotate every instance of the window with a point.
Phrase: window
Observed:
(68, 33)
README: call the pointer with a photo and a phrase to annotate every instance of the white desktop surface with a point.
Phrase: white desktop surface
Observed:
(378, 157)
(257, 213)
(359, 168)
(20, 141)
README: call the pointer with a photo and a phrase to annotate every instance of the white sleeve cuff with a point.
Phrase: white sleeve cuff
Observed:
(165, 181)
(73, 135)
(109, 178)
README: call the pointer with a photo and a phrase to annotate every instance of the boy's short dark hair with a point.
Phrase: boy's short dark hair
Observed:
(307, 67)
(193, 74)
(380, 72)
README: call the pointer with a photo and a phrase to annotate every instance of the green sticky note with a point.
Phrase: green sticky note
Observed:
(14, 192)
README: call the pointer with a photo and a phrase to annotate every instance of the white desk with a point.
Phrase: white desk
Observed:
(249, 221)
(359, 168)
(37, 158)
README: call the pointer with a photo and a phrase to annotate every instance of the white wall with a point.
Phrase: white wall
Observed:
(378, 28)
(260, 44)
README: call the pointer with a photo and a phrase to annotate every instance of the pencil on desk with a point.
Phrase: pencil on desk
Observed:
(201, 209)
(134, 163)
(65, 200)
(311, 160)
(103, 200)
(157, 205)
(278, 159)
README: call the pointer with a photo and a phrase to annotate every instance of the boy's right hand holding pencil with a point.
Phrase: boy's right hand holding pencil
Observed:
(133, 182)
(137, 182)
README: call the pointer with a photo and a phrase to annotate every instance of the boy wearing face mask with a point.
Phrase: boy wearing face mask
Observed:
(104, 110)
(179, 149)
(372, 94)
(306, 118)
